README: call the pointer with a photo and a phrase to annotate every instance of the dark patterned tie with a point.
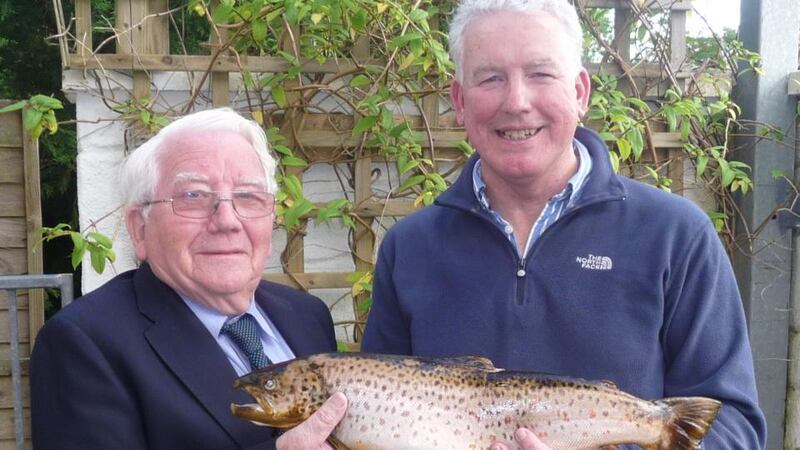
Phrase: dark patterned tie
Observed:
(244, 332)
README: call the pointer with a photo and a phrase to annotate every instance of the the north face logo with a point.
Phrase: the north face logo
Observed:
(593, 262)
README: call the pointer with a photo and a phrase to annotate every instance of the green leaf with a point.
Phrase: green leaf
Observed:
(98, 259)
(46, 102)
(259, 30)
(418, 15)
(614, 161)
(728, 176)
(101, 239)
(293, 161)
(400, 41)
(221, 14)
(465, 148)
(399, 129)
(702, 163)
(411, 181)
(282, 149)
(291, 217)
(671, 117)
(77, 256)
(31, 118)
(637, 142)
(438, 181)
(364, 124)
(293, 186)
(13, 107)
(359, 20)
(365, 305)
(279, 95)
(407, 166)
(360, 80)
(624, 148)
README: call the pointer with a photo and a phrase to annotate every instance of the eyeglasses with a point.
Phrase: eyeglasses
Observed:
(203, 204)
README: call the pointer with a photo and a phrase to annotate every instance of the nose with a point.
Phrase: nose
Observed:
(225, 217)
(518, 96)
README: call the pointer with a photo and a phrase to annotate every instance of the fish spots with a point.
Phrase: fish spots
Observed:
(400, 402)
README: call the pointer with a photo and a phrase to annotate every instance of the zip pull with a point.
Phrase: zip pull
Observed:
(520, 268)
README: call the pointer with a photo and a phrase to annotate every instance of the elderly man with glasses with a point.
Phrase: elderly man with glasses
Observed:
(148, 360)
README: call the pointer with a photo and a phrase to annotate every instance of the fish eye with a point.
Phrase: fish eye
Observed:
(270, 384)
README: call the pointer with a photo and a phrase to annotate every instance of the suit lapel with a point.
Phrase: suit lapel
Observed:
(192, 354)
(282, 314)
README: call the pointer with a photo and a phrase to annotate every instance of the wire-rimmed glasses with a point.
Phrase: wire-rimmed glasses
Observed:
(203, 204)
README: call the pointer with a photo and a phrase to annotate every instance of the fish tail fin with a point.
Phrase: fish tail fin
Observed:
(690, 421)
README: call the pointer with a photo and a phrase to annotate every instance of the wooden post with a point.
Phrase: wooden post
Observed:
(33, 222)
(293, 256)
(139, 34)
(220, 82)
(83, 27)
(430, 103)
(622, 32)
(677, 20)
(364, 237)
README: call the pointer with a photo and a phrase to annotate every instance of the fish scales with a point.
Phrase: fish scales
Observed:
(409, 403)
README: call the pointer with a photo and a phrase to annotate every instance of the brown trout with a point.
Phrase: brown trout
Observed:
(402, 402)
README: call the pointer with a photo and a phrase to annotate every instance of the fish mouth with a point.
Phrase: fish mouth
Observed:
(520, 134)
(252, 412)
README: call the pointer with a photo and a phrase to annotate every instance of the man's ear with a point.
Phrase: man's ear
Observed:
(583, 89)
(136, 224)
(457, 96)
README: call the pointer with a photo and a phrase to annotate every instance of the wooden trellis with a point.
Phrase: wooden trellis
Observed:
(142, 47)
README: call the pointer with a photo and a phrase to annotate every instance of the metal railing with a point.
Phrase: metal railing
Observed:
(12, 283)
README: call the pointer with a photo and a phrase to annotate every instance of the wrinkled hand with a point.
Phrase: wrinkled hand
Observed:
(311, 434)
(526, 439)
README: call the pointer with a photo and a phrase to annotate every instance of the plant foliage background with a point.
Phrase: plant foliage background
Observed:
(396, 72)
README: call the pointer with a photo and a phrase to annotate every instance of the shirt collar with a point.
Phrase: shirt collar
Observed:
(573, 187)
(214, 320)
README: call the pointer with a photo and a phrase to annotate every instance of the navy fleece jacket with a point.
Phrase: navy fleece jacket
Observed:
(632, 285)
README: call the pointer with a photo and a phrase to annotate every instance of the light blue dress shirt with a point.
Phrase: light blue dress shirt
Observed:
(275, 347)
(553, 210)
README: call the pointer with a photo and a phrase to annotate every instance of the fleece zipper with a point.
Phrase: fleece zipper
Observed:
(521, 264)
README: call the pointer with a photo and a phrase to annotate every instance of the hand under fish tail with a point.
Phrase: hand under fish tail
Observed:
(403, 402)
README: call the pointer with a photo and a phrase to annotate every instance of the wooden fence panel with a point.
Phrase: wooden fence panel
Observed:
(20, 220)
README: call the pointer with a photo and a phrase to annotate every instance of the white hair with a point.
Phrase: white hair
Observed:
(468, 10)
(140, 171)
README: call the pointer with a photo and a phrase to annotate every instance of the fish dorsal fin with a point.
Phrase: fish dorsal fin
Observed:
(608, 384)
(472, 362)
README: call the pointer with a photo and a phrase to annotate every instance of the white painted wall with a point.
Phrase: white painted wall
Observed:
(102, 147)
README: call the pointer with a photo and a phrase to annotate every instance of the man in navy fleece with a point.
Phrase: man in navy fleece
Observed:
(541, 258)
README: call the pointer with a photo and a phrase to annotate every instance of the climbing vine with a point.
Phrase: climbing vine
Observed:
(388, 95)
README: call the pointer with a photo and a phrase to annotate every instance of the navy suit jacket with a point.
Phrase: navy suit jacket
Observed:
(129, 366)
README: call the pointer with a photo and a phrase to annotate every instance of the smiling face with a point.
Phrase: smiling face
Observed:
(521, 97)
(217, 260)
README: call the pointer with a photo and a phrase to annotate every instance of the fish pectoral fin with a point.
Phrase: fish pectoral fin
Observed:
(336, 443)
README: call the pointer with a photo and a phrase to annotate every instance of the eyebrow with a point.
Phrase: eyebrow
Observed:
(190, 176)
(252, 181)
(193, 177)
(547, 63)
